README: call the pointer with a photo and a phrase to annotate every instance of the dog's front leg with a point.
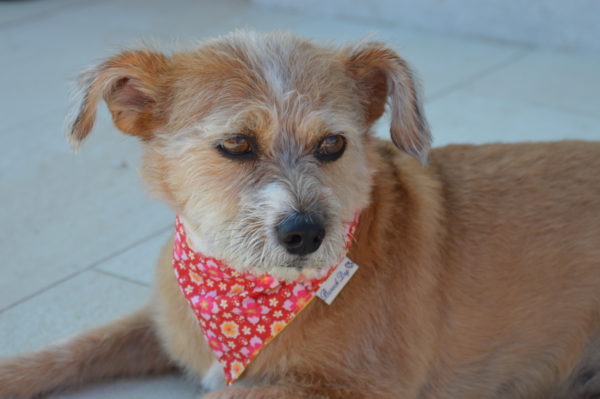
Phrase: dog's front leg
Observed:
(281, 391)
(126, 347)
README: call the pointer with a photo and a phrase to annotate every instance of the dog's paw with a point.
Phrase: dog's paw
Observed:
(12, 385)
(25, 376)
(214, 379)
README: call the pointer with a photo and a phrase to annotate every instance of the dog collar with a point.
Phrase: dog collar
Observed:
(240, 313)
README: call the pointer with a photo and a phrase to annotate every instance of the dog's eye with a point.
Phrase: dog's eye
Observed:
(236, 146)
(331, 148)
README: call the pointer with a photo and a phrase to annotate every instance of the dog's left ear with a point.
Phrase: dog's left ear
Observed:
(381, 74)
(131, 84)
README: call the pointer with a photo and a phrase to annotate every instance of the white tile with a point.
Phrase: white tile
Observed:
(63, 212)
(562, 80)
(138, 262)
(151, 388)
(445, 62)
(87, 300)
(463, 117)
(13, 12)
(33, 87)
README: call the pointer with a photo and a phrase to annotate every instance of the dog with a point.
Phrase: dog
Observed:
(478, 267)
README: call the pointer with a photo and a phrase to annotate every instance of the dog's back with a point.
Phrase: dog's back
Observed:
(522, 266)
(523, 201)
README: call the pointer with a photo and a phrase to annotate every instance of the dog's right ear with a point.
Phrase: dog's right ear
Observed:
(383, 76)
(131, 85)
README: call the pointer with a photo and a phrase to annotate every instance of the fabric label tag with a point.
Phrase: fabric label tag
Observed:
(331, 287)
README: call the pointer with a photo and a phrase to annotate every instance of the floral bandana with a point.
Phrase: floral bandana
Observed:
(240, 313)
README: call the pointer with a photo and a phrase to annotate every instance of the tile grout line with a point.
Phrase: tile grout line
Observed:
(479, 75)
(130, 246)
(532, 103)
(85, 269)
(376, 24)
(493, 68)
(42, 290)
(117, 276)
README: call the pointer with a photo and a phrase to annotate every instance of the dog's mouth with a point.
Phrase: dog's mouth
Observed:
(300, 244)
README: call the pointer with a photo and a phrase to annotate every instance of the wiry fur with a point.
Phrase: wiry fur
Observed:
(479, 274)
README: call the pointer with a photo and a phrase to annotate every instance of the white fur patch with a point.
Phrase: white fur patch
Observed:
(214, 378)
(277, 199)
(275, 81)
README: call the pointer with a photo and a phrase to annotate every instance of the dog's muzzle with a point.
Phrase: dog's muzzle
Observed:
(301, 233)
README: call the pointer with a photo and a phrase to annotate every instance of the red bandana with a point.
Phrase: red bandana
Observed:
(239, 313)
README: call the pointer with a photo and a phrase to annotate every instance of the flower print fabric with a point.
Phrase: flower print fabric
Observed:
(239, 313)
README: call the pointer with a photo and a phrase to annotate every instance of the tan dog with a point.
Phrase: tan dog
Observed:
(479, 273)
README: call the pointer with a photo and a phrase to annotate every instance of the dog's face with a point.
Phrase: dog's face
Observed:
(260, 142)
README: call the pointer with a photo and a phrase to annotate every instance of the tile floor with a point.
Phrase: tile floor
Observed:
(78, 236)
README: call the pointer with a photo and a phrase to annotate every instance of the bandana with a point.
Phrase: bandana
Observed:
(240, 313)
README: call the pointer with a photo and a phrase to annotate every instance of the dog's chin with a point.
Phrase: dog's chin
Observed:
(295, 269)
(284, 266)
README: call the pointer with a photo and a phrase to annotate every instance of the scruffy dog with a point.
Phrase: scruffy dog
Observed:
(478, 266)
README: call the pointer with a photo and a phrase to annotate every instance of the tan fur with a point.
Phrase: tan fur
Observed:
(479, 274)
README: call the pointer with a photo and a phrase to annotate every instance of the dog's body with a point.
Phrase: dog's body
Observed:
(479, 276)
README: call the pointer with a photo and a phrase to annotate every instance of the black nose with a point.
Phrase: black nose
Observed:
(301, 233)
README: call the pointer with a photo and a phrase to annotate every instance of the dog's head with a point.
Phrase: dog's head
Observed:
(261, 142)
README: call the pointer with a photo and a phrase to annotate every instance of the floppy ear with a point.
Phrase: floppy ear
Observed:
(381, 75)
(130, 84)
